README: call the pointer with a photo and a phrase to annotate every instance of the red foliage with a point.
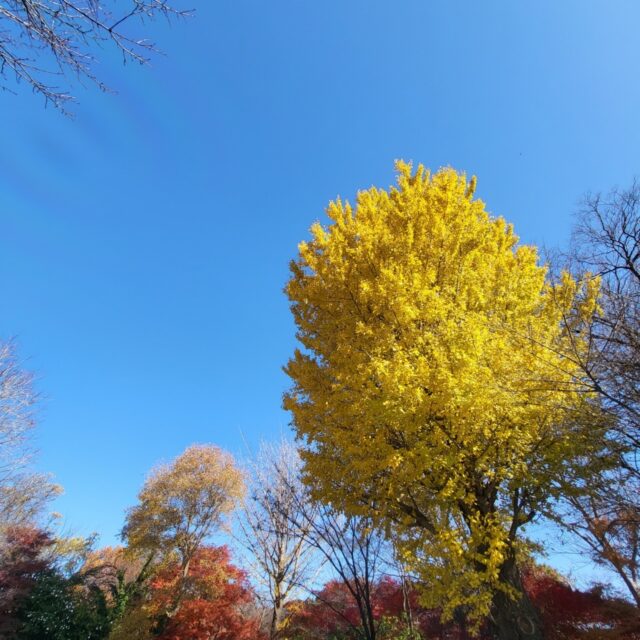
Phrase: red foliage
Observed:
(334, 612)
(215, 602)
(388, 599)
(569, 614)
(22, 558)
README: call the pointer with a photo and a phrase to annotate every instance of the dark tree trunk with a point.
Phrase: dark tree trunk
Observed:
(460, 620)
(514, 619)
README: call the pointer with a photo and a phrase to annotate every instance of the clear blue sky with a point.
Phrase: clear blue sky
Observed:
(145, 244)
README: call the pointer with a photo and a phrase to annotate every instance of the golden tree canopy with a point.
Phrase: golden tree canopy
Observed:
(432, 385)
(183, 502)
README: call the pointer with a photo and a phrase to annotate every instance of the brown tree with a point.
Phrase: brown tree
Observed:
(181, 504)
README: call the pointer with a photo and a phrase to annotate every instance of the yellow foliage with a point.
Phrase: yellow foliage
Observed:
(137, 624)
(432, 386)
(183, 502)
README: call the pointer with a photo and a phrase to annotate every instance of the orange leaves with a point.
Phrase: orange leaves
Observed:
(217, 596)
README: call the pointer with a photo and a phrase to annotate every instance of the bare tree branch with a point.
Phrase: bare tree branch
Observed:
(23, 494)
(605, 517)
(43, 42)
(273, 531)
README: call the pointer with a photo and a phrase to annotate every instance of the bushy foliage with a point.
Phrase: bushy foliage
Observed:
(333, 612)
(566, 613)
(215, 595)
(38, 599)
(570, 614)
(214, 601)
(59, 609)
(431, 389)
(22, 560)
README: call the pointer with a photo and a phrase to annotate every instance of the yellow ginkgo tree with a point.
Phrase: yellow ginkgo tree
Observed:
(431, 389)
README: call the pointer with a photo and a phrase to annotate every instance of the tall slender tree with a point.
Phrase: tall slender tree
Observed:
(272, 531)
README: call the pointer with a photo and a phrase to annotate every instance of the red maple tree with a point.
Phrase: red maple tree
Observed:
(215, 602)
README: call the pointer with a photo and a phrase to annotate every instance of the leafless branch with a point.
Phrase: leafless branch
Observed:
(272, 530)
(43, 42)
(606, 243)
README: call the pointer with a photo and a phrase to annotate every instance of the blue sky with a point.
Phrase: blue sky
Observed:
(144, 244)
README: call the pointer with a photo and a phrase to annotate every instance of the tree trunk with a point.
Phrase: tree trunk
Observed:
(276, 618)
(514, 619)
(406, 606)
(620, 570)
(460, 619)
